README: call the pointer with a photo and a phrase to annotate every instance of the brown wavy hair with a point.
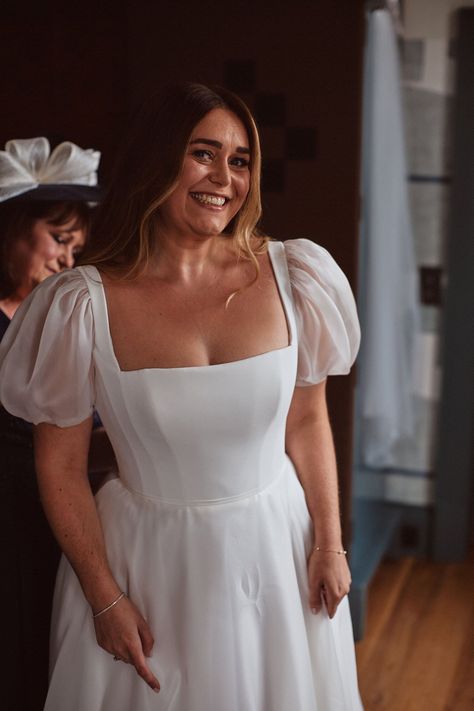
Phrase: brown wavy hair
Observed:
(147, 172)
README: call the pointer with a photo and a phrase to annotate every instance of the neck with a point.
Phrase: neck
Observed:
(10, 304)
(187, 259)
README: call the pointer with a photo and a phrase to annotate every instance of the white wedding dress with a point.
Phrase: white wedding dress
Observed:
(206, 528)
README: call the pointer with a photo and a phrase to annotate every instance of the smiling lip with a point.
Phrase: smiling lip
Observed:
(210, 200)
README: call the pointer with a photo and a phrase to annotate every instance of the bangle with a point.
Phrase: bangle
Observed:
(101, 612)
(329, 550)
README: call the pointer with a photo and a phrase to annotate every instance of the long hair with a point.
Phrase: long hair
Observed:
(17, 217)
(147, 172)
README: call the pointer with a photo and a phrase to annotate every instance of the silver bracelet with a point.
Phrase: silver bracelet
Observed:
(101, 612)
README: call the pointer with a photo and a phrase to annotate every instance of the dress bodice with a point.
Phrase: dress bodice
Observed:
(173, 429)
(167, 422)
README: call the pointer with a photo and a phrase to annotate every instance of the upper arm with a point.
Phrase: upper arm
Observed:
(325, 313)
(307, 405)
(62, 451)
(46, 355)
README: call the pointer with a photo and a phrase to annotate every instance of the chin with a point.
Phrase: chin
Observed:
(43, 275)
(209, 230)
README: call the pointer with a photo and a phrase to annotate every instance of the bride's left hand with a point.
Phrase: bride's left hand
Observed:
(329, 577)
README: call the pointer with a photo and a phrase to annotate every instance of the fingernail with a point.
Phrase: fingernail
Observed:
(314, 611)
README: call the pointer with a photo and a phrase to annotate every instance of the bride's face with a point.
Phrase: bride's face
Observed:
(214, 180)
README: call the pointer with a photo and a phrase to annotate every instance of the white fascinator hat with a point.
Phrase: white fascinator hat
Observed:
(29, 170)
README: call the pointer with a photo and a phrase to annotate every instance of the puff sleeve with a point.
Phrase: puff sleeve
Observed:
(46, 370)
(326, 317)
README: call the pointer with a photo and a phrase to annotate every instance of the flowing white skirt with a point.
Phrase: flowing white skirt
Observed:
(224, 589)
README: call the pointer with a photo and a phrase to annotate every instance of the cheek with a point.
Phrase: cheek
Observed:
(191, 174)
(244, 186)
(173, 206)
(80, 242)
(44, 247)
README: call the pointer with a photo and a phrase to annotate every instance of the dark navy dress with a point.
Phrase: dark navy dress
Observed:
(30, 558)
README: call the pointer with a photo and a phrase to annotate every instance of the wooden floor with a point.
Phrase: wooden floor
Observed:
(418, 652)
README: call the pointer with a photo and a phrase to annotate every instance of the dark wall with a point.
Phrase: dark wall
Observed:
(64, 74)
(76, 72)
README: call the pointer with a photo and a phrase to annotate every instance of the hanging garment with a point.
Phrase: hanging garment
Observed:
(388, 300)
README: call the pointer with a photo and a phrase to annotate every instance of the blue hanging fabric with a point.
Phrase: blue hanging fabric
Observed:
(388, 299)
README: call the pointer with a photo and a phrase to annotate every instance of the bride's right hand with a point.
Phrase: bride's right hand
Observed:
(123, 632)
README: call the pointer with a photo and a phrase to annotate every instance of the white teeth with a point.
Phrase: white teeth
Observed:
(209, 199)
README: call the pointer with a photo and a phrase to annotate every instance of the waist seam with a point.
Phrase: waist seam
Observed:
(195, 503)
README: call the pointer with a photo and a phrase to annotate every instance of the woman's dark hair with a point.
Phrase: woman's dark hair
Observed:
(148, 169)
(17, 218)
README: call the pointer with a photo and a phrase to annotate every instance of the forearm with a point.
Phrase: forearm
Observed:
(310, 446)
(72, 514)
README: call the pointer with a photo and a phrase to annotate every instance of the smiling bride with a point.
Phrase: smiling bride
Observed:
(212, 569)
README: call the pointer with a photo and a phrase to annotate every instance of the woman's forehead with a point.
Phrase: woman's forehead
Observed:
(71, 222)
(71, 225)
(221, 125)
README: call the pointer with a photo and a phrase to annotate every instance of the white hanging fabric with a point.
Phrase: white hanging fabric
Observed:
(388, 300)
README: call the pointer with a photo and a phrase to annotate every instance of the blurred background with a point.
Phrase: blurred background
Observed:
(366, 114)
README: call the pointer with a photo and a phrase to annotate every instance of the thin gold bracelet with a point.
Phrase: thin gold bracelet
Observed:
(329, 550)
(112, 604)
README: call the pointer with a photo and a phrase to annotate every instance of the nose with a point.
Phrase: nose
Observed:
(66, 257)
(220, 173)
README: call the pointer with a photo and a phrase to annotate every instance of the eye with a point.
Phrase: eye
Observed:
(59, 238)
(239, 162)
(203, 154)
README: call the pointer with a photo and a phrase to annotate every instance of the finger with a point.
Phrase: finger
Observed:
(332, 603)
(324, 597)
(146, 638)
(139, 662)
(315, 602)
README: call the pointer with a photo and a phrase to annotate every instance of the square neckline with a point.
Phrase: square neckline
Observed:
(208, 366)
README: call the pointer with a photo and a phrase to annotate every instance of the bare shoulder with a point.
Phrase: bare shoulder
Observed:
(114, 281)
(259, 244)
(239, 262)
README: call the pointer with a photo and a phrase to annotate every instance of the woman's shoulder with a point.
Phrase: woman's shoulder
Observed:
(51, 332)
(67, 284)
(303, 249)
(59, 299)
(72, 277)
(308, 260)
(325, 309)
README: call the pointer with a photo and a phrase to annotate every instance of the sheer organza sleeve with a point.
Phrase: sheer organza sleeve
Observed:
(326, 316)
(46, 370)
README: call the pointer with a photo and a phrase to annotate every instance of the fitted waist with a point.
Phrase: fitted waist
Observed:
(148, 496)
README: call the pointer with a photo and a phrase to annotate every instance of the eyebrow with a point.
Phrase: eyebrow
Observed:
(218, 144)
